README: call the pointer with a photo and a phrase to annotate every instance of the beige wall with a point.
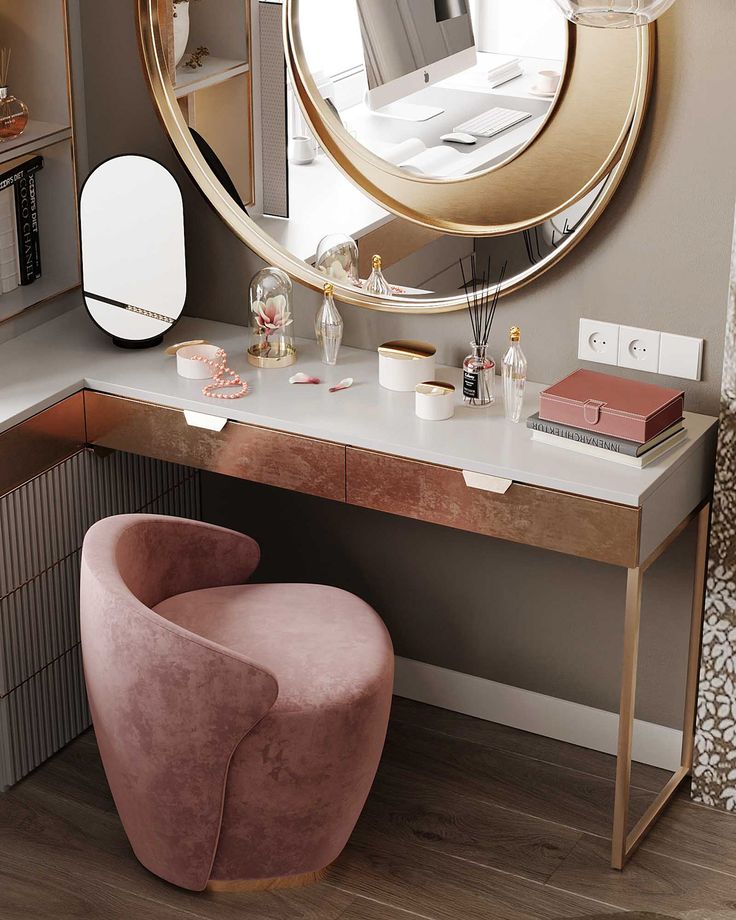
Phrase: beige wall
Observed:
(658, 258)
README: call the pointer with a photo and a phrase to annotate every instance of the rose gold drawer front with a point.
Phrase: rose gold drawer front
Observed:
(566, 523)
(36, 445)
(243, 451)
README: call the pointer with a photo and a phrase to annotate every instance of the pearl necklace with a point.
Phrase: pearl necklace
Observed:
(224, 377)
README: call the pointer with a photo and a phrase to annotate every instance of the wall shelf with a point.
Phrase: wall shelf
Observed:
(39, 35)
(38, 134)
(216, 99)
(213, 72)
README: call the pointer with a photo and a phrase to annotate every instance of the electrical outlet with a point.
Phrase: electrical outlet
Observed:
(639, 349)
(598, 342)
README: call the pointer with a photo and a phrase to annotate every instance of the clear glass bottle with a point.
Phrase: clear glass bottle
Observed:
(377, 284)
(479, 378)
(271, 320)
(328, 326)
(514, 376)
(13, 112)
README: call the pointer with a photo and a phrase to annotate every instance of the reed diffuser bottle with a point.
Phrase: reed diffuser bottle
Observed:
(514, 376)
(13, 112)
(479, 369)
(328, 326)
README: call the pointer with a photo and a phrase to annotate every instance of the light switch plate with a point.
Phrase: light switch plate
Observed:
(639, 349)
(598, 342)
(681, 356)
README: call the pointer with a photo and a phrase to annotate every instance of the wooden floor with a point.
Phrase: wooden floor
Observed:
(467, 821)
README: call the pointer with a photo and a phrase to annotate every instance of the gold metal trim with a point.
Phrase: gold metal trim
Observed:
(634, 54)
(281, 361)
(407, 348)
(435, 388)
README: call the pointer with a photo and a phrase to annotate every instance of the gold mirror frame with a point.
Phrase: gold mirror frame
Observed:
(622, 60)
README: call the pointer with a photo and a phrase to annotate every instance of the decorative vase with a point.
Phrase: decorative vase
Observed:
(181, 30)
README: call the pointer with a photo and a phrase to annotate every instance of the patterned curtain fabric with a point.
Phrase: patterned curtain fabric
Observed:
(715, 752)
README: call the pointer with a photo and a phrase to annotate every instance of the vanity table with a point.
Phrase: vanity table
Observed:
(365, 447)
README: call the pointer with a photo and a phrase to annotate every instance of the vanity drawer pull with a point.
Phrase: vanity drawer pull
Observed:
(487, 483)
(208, 422)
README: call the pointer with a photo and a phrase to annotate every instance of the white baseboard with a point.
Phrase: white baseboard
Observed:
(533, 712)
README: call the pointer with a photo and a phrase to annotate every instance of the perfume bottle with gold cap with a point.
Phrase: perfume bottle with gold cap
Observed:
(514, 376)
(328, 326)
(13, 112)
(377, 284)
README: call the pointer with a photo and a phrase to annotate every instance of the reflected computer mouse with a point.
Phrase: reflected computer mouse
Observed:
(459, 137)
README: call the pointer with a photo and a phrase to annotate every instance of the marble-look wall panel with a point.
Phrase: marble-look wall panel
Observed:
(715, 755)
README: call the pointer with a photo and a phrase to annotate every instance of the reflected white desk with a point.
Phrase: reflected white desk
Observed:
(64, 386)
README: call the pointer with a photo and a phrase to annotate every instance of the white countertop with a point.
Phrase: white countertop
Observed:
(60, 357)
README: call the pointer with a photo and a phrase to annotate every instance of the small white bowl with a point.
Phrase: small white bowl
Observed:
(435, 401)
(402, 366)
(187, 365)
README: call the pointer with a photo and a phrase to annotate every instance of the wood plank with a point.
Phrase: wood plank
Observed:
(650, 882)
(424, 882)
(575, 800)
(41, 442)
(505, 738)
(696, 834)
(25, 895)
(364, 909)
(558, 521)
(244, 451)
(437, 817)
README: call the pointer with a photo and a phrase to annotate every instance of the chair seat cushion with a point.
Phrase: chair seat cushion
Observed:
(325, 646)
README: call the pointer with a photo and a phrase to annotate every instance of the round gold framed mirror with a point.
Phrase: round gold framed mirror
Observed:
(529, 208)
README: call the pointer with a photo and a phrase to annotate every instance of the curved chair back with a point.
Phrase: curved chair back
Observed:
(169, 707)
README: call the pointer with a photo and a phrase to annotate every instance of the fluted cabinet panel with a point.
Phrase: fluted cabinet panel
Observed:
(42, 526)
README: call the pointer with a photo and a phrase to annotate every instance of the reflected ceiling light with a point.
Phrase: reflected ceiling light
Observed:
(450, 9)
(613, 14)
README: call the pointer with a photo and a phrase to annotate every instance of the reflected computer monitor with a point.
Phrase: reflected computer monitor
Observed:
(411, 44)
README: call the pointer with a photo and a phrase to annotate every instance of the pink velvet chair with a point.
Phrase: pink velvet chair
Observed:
(240, 725)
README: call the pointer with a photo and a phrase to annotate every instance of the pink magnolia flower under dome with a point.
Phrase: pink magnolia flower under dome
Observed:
(272, 315)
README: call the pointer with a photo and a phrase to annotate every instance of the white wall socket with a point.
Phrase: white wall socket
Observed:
(598, 342)
(639, 349)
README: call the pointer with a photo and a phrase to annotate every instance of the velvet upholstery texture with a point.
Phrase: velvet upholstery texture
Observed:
(240, 725)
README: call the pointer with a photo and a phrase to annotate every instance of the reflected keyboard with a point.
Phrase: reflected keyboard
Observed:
(493, 122)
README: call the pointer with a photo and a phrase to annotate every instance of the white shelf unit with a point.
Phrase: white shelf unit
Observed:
(216, 98)
(40, 75)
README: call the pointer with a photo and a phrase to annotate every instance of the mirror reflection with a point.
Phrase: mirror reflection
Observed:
(439, 88)
(400, 75)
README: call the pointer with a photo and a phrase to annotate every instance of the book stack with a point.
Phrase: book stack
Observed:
(611, 418)
(20, 249)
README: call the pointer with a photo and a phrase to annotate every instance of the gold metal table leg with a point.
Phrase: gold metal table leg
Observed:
(623, 843)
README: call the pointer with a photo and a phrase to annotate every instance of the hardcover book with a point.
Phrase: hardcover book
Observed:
(654, 453)
(612, 406)
(602, 441)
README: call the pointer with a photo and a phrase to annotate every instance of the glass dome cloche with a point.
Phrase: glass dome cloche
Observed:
(613, 14)
(271, 320)
(338, 259)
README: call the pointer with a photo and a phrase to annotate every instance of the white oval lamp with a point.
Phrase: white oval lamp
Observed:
(613, 14)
